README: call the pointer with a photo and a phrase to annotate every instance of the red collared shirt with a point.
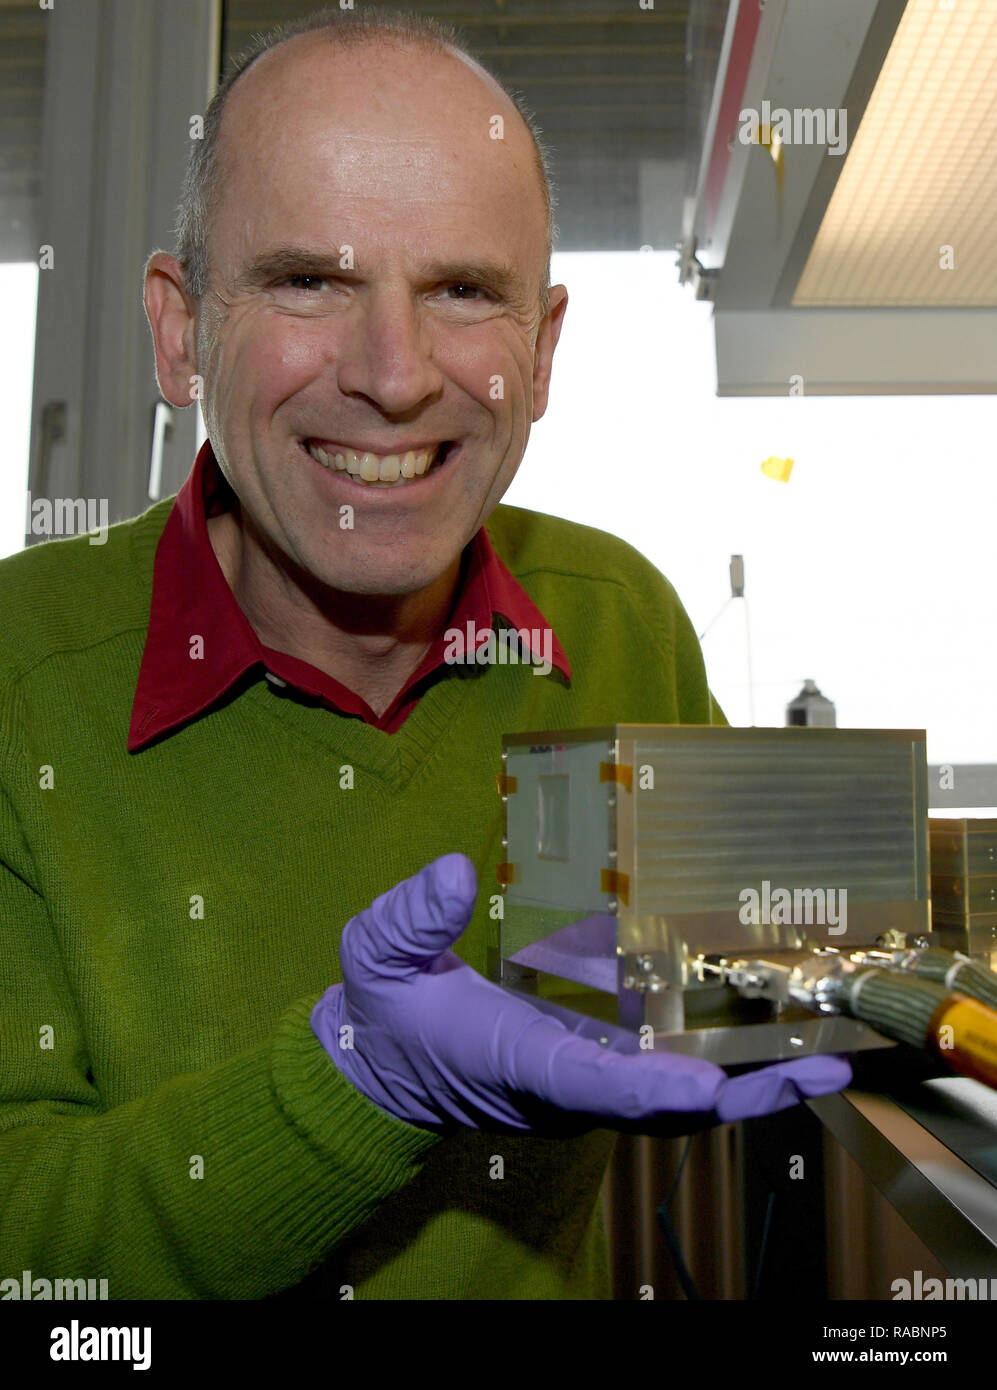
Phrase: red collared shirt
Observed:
(190, 595)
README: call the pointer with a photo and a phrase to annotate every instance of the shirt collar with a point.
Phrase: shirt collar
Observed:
(199, 642)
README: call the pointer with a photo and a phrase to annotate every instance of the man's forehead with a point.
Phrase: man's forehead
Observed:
(364, 162)
(385, 188)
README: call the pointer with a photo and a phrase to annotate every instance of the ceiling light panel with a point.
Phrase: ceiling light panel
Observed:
(913, 217)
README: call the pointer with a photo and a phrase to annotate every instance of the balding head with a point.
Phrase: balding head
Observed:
(392, 34)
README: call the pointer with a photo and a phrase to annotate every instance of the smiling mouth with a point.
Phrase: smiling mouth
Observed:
(380, 470)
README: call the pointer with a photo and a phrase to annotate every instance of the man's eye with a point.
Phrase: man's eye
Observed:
(298, 282)
(465, 291)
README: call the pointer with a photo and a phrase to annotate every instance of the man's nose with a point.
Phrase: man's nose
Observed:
(387, 357)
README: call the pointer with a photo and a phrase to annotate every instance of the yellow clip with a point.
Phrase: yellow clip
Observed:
(612, 881)
(506, 785)
(778, 469)
(505, 873)
(617, 772)
(771, 140)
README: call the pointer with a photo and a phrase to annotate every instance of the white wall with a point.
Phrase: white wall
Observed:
(19, 297)
(870, 571)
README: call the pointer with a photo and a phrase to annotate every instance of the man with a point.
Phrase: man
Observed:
(241, 1066)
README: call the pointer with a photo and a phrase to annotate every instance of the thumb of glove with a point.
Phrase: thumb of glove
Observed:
(407, 928)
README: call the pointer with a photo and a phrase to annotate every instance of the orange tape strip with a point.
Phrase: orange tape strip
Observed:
(612, 881)
(617, 772)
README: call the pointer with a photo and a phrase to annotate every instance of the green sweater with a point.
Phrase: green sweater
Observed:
(168, 1120)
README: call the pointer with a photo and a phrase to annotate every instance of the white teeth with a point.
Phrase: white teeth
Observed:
(370, 468)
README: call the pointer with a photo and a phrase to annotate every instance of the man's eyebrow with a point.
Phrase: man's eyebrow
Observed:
(280, 261)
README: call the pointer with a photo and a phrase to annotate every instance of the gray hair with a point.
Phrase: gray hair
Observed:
(345, 29)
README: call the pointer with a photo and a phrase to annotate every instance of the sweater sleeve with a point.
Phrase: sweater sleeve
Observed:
(293, 1157)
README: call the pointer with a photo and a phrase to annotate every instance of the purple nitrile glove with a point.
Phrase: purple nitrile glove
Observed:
(432, 1042)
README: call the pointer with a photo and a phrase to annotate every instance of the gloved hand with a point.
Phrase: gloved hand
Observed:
(436, 1044)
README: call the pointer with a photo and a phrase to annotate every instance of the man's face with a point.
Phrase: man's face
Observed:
(375, 264)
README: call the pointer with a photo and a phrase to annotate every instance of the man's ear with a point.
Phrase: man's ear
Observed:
(171, 318)
(543, 353)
